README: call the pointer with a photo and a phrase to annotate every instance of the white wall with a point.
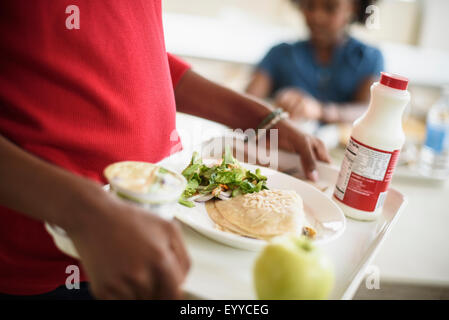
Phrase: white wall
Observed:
(399, 22)
(435, 25)
(399, 19)
(242, 31)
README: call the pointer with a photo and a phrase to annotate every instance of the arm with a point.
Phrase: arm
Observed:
(302, 106)
(349, 112)
(260, 85)
(266, 73)
(48, 193)
(201, 97)
(42, 190)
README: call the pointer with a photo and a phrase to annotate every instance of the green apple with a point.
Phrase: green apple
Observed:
(292, 268)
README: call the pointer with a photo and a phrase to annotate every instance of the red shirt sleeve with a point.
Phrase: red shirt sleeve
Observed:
(177, 68)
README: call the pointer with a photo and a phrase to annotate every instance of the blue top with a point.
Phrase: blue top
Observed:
(294, 65)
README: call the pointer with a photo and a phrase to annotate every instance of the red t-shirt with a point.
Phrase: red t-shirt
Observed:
(81, 99)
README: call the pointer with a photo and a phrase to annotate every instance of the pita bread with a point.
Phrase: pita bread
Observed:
(260, 215)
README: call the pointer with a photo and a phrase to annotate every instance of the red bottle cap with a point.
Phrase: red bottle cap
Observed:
(393, 81)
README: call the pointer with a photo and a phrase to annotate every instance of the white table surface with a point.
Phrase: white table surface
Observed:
(417, 251)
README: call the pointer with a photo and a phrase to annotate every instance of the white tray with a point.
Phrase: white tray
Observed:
(222, 272)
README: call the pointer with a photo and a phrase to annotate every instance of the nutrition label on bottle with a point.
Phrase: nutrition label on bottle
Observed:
(365, 175)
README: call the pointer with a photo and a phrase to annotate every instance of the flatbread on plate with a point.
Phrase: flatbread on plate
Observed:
(260, 215)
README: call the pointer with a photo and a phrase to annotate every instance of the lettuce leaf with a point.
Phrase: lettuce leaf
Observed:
(228, 175)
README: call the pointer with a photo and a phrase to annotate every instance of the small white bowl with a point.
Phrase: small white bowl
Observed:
(161, 204)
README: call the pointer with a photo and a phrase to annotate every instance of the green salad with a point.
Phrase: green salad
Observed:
(225, 180)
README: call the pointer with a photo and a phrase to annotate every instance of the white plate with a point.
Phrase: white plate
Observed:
(321, 213)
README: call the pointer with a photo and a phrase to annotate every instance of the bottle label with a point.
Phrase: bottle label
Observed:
(365, 175)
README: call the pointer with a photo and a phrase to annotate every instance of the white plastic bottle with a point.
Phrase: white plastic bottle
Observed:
(434, 157)
(373, 150)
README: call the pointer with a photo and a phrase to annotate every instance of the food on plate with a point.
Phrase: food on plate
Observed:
(262, 215)
(223, 180)
(292, 268)
(134, 176)
(309, 232)
(249, 208)
(144, 182)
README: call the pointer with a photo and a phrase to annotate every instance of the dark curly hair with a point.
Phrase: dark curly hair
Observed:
(360, 9)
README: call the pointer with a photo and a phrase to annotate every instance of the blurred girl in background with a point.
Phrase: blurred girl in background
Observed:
(326, 77)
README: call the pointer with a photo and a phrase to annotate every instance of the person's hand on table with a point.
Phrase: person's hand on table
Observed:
(298, 104)
(129, 253)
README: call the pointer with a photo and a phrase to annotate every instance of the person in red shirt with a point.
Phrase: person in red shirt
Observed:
(72, 101)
